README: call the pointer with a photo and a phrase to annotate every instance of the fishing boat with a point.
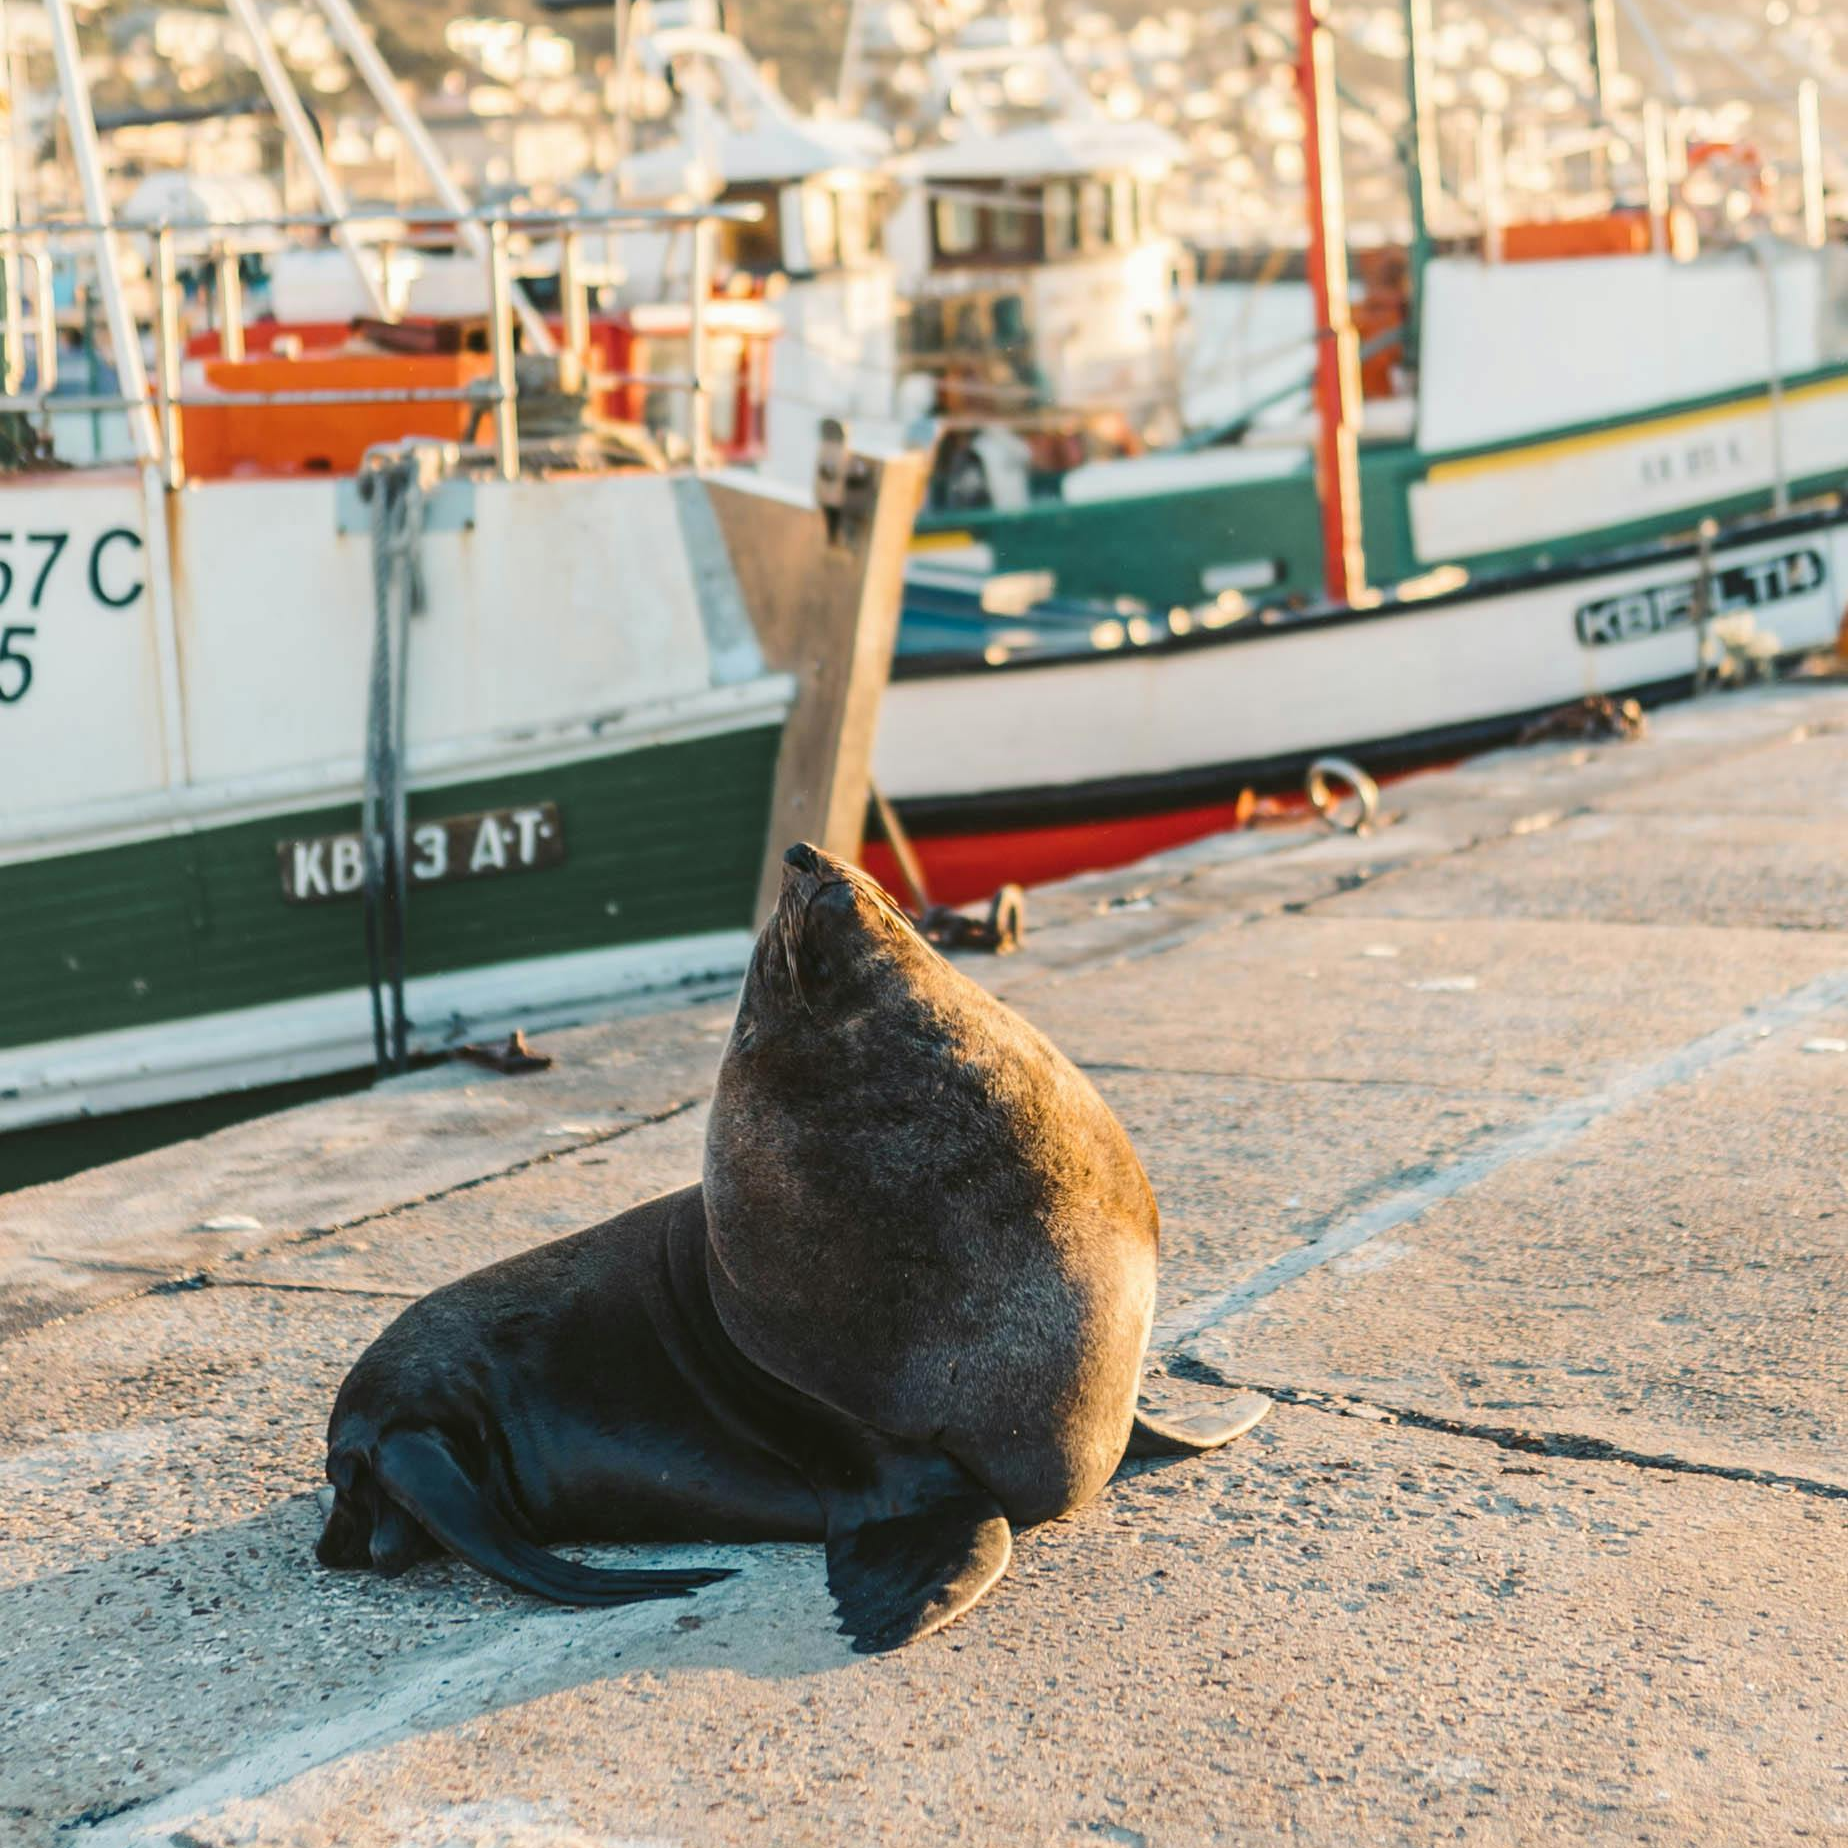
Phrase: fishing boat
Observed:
(810, 260)
(1593, 328)
(368, 710)
(1442, 608)
(1085, 738)
(911, 295)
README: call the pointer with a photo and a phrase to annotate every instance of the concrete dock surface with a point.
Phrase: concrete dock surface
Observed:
(1503, 1146)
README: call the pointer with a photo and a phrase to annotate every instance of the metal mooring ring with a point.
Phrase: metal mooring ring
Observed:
(1341, 772)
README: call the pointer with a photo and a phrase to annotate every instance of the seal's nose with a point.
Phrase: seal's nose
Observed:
(803, 858)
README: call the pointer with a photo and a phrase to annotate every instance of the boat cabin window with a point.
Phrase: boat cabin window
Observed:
(806, 227)
(1013, 230)
(756, 249)
(857, 216)
(1061, 219)
(1150, 194)
(994, 224)
(1123, 204)
(820, 229)
(957, 231)
(1001, 228)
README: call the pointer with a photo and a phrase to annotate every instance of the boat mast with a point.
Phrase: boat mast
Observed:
(1604, 69)
(124, 339)
(1337, 368)
(353, 39)
(280, 90)
(622, 24)
(1809, 154)
(14, 369)
(1420, 153)
(847, 84)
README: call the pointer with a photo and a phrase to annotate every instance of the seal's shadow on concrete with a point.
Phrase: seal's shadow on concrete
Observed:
(216, 1652)
(216, 1656)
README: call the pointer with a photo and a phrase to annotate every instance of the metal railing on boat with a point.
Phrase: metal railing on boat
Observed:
(228, 242)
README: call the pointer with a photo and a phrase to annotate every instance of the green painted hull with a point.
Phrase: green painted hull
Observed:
(1158, 547)
(661, 842)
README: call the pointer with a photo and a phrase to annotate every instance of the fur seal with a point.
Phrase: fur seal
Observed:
(922, 1215)
(905, 1312)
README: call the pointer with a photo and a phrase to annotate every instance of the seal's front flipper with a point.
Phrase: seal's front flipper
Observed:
(1191, 1433)
(420, 1473)
(911, 1544)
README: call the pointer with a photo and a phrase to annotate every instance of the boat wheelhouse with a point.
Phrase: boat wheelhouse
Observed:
(1044, 297)
(811, 251)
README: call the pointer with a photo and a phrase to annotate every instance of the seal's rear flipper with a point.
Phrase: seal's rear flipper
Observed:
(1191, 1433)
(421, 1473)
(897, 1580)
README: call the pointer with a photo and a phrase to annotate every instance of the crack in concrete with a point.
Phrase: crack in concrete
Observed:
(1570, 1445)
(167, 1283)
(99, 1813)
(438, 1194)
(208, 1281)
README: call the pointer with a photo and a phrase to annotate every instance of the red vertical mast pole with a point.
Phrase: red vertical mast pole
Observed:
(1337, 369)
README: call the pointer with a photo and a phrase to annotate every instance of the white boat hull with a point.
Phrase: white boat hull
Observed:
(1060, 739)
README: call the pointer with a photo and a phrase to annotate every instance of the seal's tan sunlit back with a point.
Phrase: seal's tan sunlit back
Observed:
(921, 1212)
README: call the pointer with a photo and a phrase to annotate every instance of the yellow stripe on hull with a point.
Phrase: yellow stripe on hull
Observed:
(1563, 446)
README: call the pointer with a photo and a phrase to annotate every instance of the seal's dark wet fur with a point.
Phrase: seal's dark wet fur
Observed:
(905, 1311)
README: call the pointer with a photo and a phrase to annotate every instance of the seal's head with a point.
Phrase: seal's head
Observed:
(831, 946)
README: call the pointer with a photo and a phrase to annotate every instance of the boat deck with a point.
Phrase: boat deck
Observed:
(1502, 1147)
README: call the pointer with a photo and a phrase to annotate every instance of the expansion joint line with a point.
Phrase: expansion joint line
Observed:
(1543, 1135)
(438, 1194)
(1569, 1445)
(166, 1284)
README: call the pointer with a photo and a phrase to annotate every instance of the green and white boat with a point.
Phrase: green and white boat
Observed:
(303, 767)
(1590, 314)
(1565, 408)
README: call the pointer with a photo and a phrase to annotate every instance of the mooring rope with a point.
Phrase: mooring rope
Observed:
(396, 484)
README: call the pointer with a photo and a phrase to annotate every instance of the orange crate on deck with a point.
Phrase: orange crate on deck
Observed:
(257, 439)
(1617, 234)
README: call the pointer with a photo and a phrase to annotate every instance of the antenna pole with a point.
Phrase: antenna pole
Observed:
(302, 138)
(624, 126)
(1422, 159)
(1337, 371)
(124, 339)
